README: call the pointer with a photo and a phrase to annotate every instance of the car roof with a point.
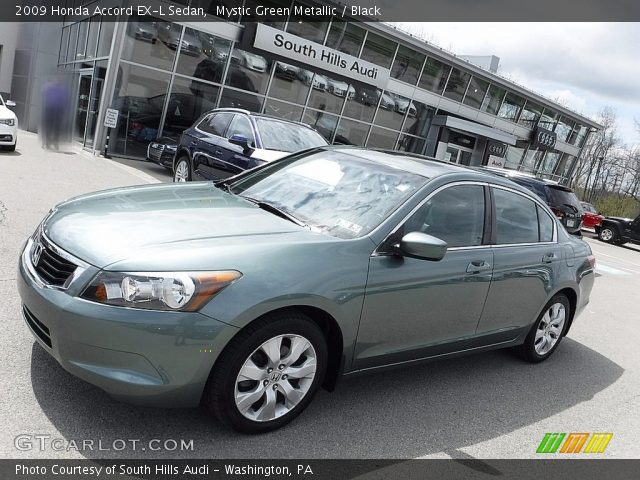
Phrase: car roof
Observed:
(521, 177)
(259, 115)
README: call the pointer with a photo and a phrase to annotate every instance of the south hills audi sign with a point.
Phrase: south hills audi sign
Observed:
(313, 54)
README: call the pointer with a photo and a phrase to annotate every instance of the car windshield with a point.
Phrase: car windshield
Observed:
(332, 192)
(287, 137)
(562, 197)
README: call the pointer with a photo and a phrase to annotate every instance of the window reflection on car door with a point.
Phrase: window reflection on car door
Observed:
(413, 307)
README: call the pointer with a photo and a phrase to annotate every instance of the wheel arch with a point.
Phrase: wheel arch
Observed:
(330, 329)
(572, 296)
(182, 152)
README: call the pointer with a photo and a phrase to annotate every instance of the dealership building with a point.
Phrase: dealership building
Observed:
(357, 83)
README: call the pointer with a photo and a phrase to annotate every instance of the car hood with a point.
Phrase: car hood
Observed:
(5, 113)
(620, 219)
(114, 225)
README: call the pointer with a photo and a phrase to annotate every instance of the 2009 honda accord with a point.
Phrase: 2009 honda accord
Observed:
(248, 295)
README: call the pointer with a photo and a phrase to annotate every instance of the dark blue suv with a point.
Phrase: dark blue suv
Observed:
(227, 141)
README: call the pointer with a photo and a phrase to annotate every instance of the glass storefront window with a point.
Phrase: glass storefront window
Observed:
(82, 40)
(324, 123)
(301, 27)
(332, 97)
(513, 157)
(292, 83)
(475, 92)
(351, 133)
(393, 109)
(408, 143)
(434, 75)
(420, 123)
(578, 135)
(382, 138)
(283, 110)
(564, 128)
(188, 100)
(106, 36)
(139, 96)
(530, 114)
(248, 71)
(92, 37)
(345, 37)
(493, 99)
(73, 41)
(548, 119)
(531, 159)
(363, 104)
(152, 42)
(238, 99)
(511, 107)
(565, 165)
(209, 61)
(407, 65)
(457, 85)
(64, 44)
(550, 161)
(378, 50)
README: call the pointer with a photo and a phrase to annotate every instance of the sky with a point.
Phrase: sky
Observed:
(585, 65)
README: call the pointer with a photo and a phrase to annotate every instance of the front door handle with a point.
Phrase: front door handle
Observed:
(478, 266)
(549, 257)
(218, 152)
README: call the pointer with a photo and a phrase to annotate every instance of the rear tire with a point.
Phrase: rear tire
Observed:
(268, 374)
(608, 235)
(547, 331)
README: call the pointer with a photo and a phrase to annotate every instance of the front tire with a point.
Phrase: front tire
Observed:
(547, 331)
(608, 235)
(182, 172)
(268, 374)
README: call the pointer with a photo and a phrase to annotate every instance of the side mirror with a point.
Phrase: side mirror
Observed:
(241, 141)
(10, 103)
(423, 246)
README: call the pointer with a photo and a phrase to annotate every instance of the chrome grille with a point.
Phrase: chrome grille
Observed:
(51, 267)
(155, 151)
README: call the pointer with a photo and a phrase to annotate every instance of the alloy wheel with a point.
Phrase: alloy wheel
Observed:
(550, 328)
(275, 377)
(606, 234)
(182, 172)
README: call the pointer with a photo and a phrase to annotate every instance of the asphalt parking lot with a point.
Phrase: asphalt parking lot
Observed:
(484, 406)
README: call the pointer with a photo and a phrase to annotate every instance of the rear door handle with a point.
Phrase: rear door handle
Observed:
(478, 266)
(549, 257)
(218, 152)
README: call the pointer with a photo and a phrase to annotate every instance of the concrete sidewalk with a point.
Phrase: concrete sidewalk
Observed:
(32, 180)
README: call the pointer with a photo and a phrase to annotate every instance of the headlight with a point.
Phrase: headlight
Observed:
(171, 148)
(185, 291)
(8, 121)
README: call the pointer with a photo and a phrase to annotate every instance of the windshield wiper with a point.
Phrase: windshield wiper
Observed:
(277, 211)
(223, 185)
(571, 206)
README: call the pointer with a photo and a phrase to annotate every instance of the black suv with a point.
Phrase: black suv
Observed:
(619, 231)
(562, 201)
(227, 141)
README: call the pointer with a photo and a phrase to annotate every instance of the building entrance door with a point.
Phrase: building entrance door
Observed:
(83, 99)
(458, 154)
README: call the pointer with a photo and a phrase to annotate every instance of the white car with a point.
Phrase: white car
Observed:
(8, 125)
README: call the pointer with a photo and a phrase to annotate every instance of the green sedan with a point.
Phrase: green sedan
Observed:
(248, 295)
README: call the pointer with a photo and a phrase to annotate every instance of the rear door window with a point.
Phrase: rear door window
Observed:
(216, 124)
(546, 225)
(516, 218)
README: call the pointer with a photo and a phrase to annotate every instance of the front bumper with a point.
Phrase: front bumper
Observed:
(138, 356)
(8, 134)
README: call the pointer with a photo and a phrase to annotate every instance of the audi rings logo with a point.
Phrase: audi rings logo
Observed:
(545, 138)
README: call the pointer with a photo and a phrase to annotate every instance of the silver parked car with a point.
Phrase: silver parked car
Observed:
(249, 294)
